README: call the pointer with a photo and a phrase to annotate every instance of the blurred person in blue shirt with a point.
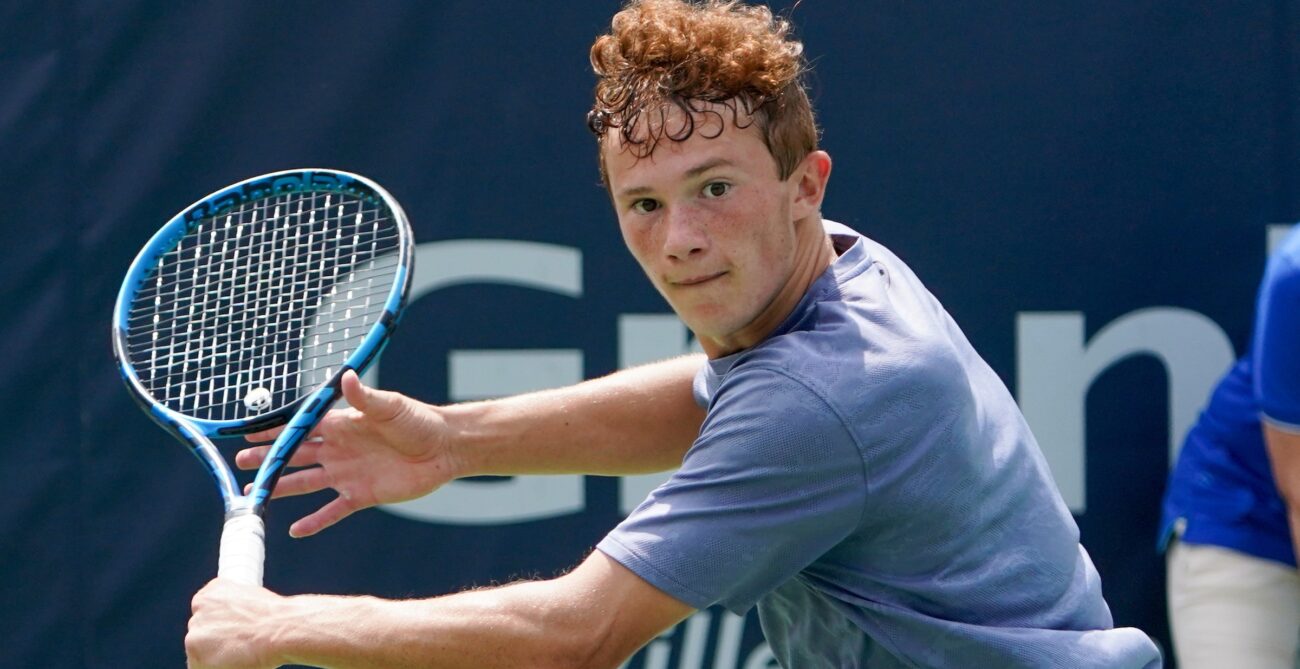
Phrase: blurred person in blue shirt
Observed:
(1232, 506)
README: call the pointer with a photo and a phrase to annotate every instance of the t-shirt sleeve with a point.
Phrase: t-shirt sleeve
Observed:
(1277, 338)
(773, 482)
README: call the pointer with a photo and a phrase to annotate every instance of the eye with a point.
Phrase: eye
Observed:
(716, 189)
(645, 206)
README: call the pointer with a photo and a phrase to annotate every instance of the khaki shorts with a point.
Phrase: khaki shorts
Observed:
(1229, 610)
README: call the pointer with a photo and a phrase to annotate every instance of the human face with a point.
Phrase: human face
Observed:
(716, 230)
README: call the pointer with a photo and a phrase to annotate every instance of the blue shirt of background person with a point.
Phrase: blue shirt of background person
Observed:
(1222, 490)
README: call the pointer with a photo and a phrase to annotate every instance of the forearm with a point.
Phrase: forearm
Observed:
(1283, 447)
(522, 625)
(633, 421)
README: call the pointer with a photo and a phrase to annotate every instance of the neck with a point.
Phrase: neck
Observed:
(813, 254)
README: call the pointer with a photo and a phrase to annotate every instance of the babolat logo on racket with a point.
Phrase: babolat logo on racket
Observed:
(227, 200)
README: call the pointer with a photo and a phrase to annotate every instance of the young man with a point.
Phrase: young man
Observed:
(847, 462)
(1232, 508)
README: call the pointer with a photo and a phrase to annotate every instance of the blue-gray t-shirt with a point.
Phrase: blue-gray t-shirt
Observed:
(867, 480)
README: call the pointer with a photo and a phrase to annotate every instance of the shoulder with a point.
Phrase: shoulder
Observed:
(855, 358)
(1277, 324)
(856, 394)
(887, 383)
(764, 416)
(1283, 270)
(764, 390)
(1278, 308)
(773, 440)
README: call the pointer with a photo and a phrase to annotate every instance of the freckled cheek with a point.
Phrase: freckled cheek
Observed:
(726, 231)
(639, 243)
(741, 238)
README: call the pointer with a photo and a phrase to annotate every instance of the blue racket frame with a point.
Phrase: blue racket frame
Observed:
(301, 416)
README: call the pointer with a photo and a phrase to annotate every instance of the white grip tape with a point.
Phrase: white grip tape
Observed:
(243, 549)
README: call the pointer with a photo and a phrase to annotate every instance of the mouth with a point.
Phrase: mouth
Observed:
(697, 280)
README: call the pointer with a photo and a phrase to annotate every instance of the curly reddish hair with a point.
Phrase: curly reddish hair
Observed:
(697, 56)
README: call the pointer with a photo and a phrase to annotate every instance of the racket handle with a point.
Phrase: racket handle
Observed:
(243, 549)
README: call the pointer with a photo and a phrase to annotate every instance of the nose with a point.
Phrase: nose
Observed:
(684, 235)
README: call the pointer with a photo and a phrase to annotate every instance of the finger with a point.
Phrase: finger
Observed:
(377, 404)
(268, 435)
(354, 391)
(265, 435)
(201, 596)
(322, 518)
(308, 453)
(251, 458)
(302, 482)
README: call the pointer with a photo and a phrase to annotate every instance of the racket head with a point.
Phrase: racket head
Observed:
(245, 309)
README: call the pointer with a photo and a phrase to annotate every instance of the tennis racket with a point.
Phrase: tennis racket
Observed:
(243, 312)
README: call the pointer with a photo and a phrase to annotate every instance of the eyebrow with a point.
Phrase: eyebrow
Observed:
(690, 174)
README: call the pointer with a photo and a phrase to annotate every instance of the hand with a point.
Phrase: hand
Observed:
(386, 448)
(226, 620)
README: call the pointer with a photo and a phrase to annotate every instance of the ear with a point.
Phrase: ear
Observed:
(809, 179)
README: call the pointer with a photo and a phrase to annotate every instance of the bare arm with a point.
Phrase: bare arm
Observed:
(390, 448)
(1284, 455)
(630, 422)
(595, 616)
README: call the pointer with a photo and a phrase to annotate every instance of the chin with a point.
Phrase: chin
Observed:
(713, 320)
(710, 329)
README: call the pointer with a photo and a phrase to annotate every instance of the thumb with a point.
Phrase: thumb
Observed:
(378, 404)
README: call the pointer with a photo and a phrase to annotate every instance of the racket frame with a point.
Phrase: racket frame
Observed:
(301, 415)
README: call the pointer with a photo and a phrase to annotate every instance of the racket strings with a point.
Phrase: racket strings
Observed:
(244, 304)
(254, 236)
(269, 299)
(318, 349)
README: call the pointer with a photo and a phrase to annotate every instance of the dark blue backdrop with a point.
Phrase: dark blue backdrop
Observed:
(1028, 159)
